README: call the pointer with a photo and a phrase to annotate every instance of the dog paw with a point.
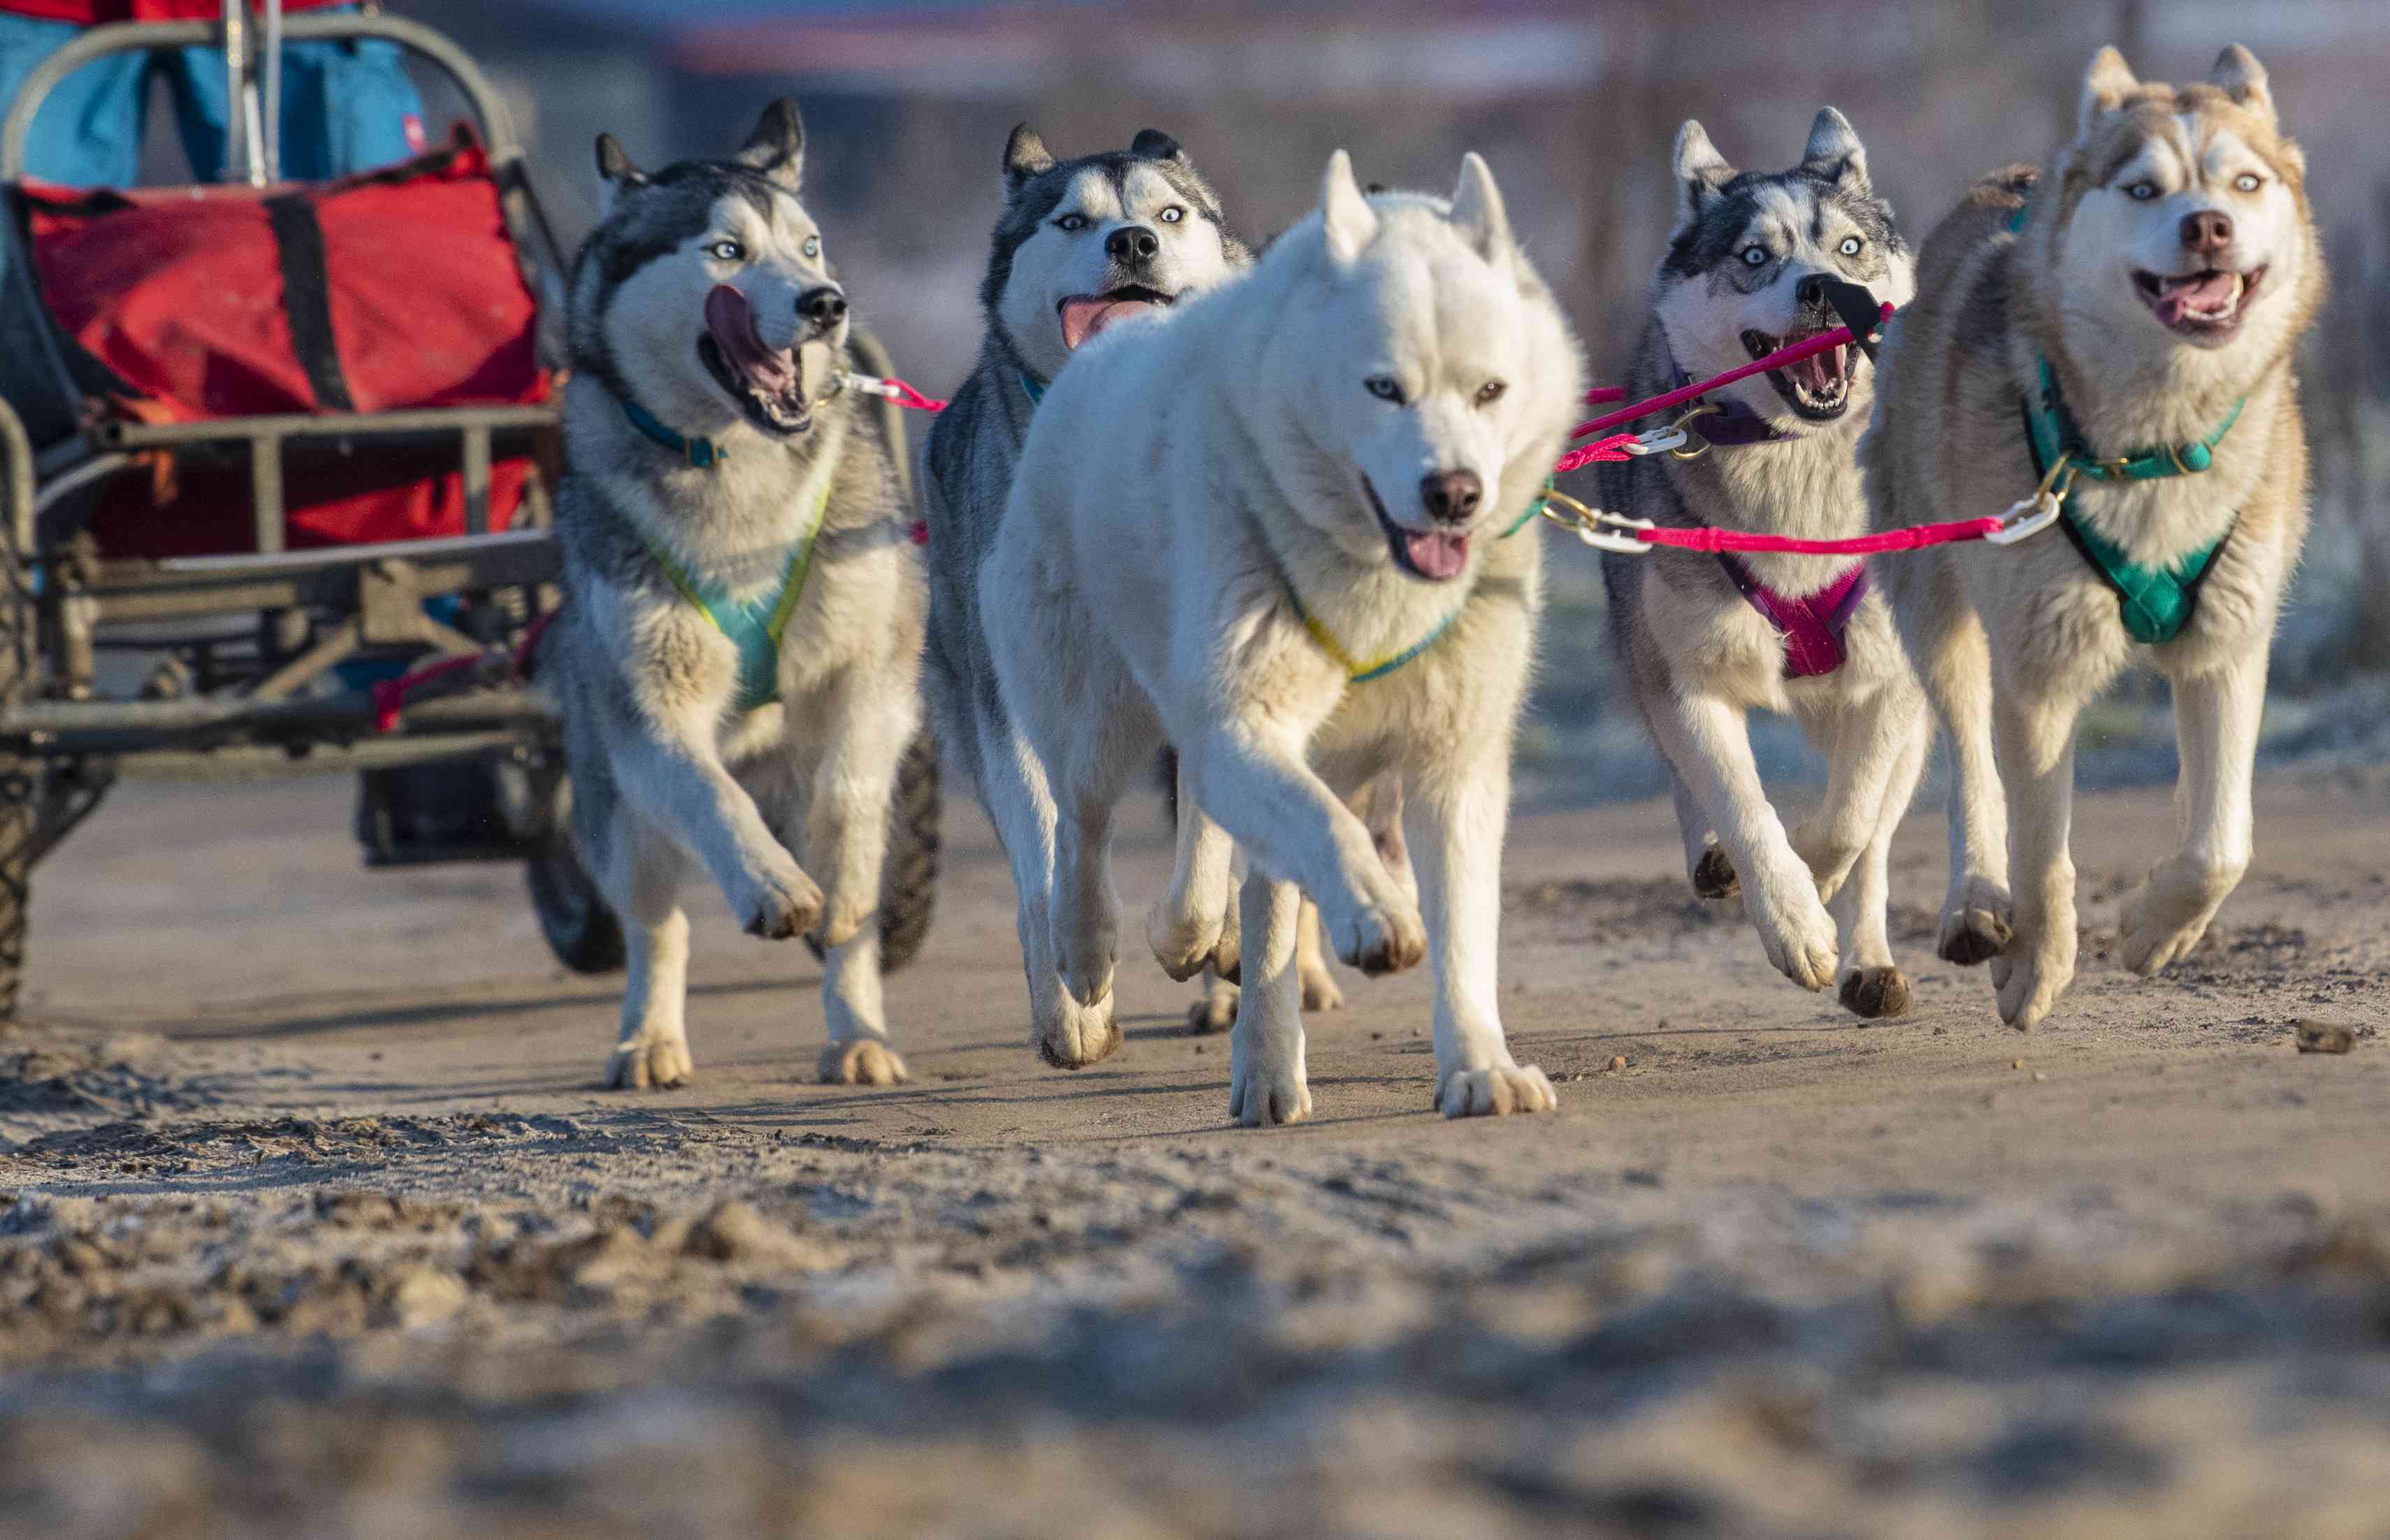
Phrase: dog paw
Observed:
(649, 1064)
(1497, 1092)
(1378, 941)
(864, 1061)
(2168, 914)
(1265, 1095)
(779, 902)
(1214, 1011)
(1078, 1035)
(1873, 993)
(1798, 936)
(1319, 988)
(2030, 983)
(1182, 944)
(1975, 925)
(1714, 874)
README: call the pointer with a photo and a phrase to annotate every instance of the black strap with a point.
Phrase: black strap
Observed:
(307, 299)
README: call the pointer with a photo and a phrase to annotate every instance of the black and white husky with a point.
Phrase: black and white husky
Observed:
(738, 656)
(1082, 245)
(1706, 638)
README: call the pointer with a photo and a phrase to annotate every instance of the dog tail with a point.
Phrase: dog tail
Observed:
(1983, 213)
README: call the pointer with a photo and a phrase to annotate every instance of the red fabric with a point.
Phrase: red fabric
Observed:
(92, 12)
(180, 292)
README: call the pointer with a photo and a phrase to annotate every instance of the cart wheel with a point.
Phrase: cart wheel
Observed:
(581, 930)
(18, 780)
(909, 878)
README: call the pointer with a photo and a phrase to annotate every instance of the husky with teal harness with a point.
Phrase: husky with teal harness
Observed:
(736, 659)
(2110, 345)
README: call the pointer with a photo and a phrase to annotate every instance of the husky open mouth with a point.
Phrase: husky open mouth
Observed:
(1818, 387)
(1083, 315)
(2206, 306)
(767, 383)
(1431, 556)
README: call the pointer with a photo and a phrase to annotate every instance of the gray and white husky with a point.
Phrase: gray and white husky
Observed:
(1275, 531)
(1082, 245)
(1707, 638)
(738, 656)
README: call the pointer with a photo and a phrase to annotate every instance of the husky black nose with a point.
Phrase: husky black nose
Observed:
(1811, 291)
(824, 307)
(2208, 231)
(1131, 243)
(1451, 495)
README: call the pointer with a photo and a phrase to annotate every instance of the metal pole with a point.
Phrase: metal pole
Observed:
(236, 47)
(273, 72)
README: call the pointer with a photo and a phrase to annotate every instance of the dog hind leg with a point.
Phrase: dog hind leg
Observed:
(846, 810)
(641, 877)
(1954, 660)
(2216, 729)
(2035, 737)
(1013, 782)
(1872, 986)
(1267, 1082)
(1710, 869)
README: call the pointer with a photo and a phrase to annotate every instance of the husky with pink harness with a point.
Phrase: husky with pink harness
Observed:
(1752, 270)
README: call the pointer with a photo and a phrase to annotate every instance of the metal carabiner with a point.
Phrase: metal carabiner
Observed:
(1587, 524)
(1657, 442)
(2030, 516)
(1685, 422)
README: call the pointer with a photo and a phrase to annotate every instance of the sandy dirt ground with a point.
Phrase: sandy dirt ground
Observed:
(313, 1220)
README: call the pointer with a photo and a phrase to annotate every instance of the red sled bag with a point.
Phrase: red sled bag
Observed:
(397, 290)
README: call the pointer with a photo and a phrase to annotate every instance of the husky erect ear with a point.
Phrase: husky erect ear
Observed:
(2105, 85)
(1477, 208)
(1025, 156)
(2239, 76)
(1344, 213)
(777, 147)
(1834, 151)
(1154, 145)
(1700, 171)
(616, 174)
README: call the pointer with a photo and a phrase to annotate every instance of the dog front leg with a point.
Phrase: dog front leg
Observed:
(1267, 1082)
(1872, 987)
(1457, 830)
(1708, 745)
(1020, 803)
(1293, 827)
(1954, 660)
(640, 877)
(680, 782)
(2036, 738)
(2216, 717)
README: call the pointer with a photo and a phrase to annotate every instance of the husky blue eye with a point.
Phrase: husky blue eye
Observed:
(2142, 192)
(1754, 256)
(727, 251)
(813, 246)
(1173, 215)
(1850, 246)
(2247, 182)
(1072, 222)
(1385, 387)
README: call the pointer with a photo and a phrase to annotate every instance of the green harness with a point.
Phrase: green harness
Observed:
(2155, 603)
(754, 626)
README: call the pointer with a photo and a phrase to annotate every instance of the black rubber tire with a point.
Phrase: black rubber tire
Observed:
(908, 877)
(20, 788)
(581, 929)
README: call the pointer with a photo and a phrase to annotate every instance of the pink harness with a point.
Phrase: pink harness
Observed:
(1812, 626)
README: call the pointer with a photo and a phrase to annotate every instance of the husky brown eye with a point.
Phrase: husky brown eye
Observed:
(1490, 392)
(2142, 192)
(1072, 222)
(2247, 182)
(1385, 387)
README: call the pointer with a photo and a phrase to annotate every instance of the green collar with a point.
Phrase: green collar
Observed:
(754, 626)
(1359, 673)
(2155, 603)
(701, 453)
(1035, 387)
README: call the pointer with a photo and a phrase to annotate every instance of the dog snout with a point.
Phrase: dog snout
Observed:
(1131, 243)
(2207, 231)
(822, 308)
(1451, 495)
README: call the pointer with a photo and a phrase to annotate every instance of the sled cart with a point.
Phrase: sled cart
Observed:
(278, 462)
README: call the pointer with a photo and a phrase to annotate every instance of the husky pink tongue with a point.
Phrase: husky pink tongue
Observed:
(1089, 313)
(1437, 556)
(2207, 295)
(732, 322)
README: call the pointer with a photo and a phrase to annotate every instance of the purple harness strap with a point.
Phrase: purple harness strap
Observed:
(1734, 424)
(1812, 626)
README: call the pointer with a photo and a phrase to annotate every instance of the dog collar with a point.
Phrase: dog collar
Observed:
(701, 453)
(2154, 603)
(1356, 671)
(1731, 424)
(1036, 389)
(754, 626)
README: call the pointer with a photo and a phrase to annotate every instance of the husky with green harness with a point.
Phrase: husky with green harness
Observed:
(2112, 343)
(737, 657)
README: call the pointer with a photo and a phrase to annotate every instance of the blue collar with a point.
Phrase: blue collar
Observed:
(1037, 392)
(701, 453)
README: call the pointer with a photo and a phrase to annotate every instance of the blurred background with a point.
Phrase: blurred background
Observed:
(1575, 103)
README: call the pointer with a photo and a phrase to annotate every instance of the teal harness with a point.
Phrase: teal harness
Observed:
(754, 626)
(2155, 603)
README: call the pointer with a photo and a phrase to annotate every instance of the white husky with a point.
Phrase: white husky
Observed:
(1275, 531)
